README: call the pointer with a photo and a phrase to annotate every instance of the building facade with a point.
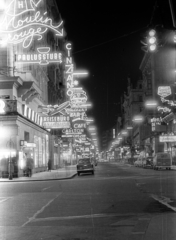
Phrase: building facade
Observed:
(26, 86)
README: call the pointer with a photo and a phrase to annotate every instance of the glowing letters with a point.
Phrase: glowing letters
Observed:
(44, 57)
(21, 28)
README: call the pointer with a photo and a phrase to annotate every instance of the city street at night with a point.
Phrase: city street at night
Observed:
(120, 201)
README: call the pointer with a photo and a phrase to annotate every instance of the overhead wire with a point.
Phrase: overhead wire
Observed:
(111, 40)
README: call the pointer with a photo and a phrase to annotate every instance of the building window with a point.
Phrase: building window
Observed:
(26, 136)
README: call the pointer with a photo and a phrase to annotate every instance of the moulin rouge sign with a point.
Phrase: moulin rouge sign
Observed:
(22, 22)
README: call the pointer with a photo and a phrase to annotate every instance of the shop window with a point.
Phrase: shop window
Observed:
(36, 151)
(40, 152)
(26, 136)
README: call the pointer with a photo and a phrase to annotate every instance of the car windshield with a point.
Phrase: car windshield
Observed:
(84, 160)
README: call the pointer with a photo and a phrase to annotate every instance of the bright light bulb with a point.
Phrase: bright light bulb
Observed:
(152, 40)
(153, 47)
(152, 33)
(75, 82)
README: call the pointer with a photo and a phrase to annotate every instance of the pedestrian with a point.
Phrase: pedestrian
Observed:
(30, 165)
(49, 165)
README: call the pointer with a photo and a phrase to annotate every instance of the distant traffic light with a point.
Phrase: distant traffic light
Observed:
(152, 41)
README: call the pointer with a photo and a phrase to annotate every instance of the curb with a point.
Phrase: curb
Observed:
(39, 180)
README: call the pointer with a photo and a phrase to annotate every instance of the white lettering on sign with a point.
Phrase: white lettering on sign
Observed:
(56, 119)
(80, 125)
(44, 57)
(69, 68)
(73, 131)
(167, 138)
(23, 29)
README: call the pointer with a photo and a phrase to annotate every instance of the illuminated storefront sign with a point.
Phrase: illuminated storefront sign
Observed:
(167, 138)
(56, 122)
(56, 125)
(73, 110)
(164, 91)
(80, 115)
(80, 125)
(73, 131)
(22, 21)
(81, 137)
(43, 57)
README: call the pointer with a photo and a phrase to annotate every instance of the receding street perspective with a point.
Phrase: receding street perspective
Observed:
(87, 120)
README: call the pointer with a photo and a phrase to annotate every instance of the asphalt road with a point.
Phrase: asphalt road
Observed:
(116, 203)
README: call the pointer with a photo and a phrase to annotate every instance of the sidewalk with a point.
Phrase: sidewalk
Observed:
(59, 174)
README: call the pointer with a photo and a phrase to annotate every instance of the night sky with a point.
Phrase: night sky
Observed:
(106, 39)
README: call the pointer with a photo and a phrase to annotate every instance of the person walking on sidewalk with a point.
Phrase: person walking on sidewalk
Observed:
(30, 165)
(49, 165)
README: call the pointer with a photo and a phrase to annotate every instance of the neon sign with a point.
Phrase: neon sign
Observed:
(163, 109)
(69, 67)
(43, 57)
(56, 122)
(170, 102)
(164, 91)
(23, 29)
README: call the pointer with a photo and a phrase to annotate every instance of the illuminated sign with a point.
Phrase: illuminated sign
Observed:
(56, 122)
(167, 138)
(22, 22)
(155, 121)
(73, 131)
(80, 115)
(73, 110)
(53, 109)
(170, 102)
(56, 119)
(164, 91)
(163, 109)
(74, 136)
(79, 125)
(69, 67)
(55, 125)
(43, 57)
(78, 98)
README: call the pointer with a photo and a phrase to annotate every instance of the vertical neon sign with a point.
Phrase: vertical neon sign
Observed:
(69, 68)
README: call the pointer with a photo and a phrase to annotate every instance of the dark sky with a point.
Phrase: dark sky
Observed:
(106, 39)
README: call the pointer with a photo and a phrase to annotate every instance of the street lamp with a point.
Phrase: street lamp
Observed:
(138, 119)
(151, 104)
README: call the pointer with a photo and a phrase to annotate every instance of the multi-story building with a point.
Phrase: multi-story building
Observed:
(25, 87)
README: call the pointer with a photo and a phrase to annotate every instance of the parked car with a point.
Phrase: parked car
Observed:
(148, 163)
(162, 160)
(85, 165)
